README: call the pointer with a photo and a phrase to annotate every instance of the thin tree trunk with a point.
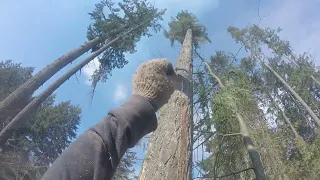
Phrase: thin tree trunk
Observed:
(285, 118)
(251, 149)
(169, 155)
(6, 132)
(312, 77)
(28, 88)
(296, 134)
(315, 80)
(293, 92)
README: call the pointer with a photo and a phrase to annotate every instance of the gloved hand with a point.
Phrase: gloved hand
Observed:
(155, 80)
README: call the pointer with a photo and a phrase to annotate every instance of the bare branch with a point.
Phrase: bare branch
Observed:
(234, 173)
(205, 140)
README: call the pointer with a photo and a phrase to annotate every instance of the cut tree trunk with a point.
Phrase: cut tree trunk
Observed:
(170, 152)
(30, 86)
(6, 132)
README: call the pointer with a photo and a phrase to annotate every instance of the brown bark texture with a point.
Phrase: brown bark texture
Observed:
(170, 151)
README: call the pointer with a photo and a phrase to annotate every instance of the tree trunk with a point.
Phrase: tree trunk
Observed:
(6, 132)
(296, 64)
(251, 149)
(170, 152)
(315, 80)
(293, 92)
(28, 88)
(296, 134)
(247, 141)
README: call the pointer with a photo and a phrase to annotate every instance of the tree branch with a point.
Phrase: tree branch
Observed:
(205, 140)
(234, 173)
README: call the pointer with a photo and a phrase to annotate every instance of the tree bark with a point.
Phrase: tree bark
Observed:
(28, 88)
(170, 152)
(6, 132)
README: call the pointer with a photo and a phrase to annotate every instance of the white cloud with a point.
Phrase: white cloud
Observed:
(89, 69)
(120, 93)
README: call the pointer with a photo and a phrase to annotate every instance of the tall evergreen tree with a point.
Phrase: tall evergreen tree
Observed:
(231, 103)
(43, 136)
(170, 153)
(113, 51)
(283, 130)
(104, 32)
(250, 39)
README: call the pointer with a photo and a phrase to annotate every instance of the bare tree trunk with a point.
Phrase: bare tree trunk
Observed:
(28, 88)
(6, 132)
(247, 141)
(296, 134)
(293, 92)
(315, 80)
(169, 155)
(296, 64)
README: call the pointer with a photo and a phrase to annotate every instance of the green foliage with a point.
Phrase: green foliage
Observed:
(179, 26)
(307, 166)
(295, 69)
(11, 76)
(52, 130)
(45, 134)
(136, 16)
(253, 36)
(125, 170)
(261, 98)
(229, 153)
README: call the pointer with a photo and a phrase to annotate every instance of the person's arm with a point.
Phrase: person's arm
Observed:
(97, 152)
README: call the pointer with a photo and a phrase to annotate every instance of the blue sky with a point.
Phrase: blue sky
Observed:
(37, 32)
